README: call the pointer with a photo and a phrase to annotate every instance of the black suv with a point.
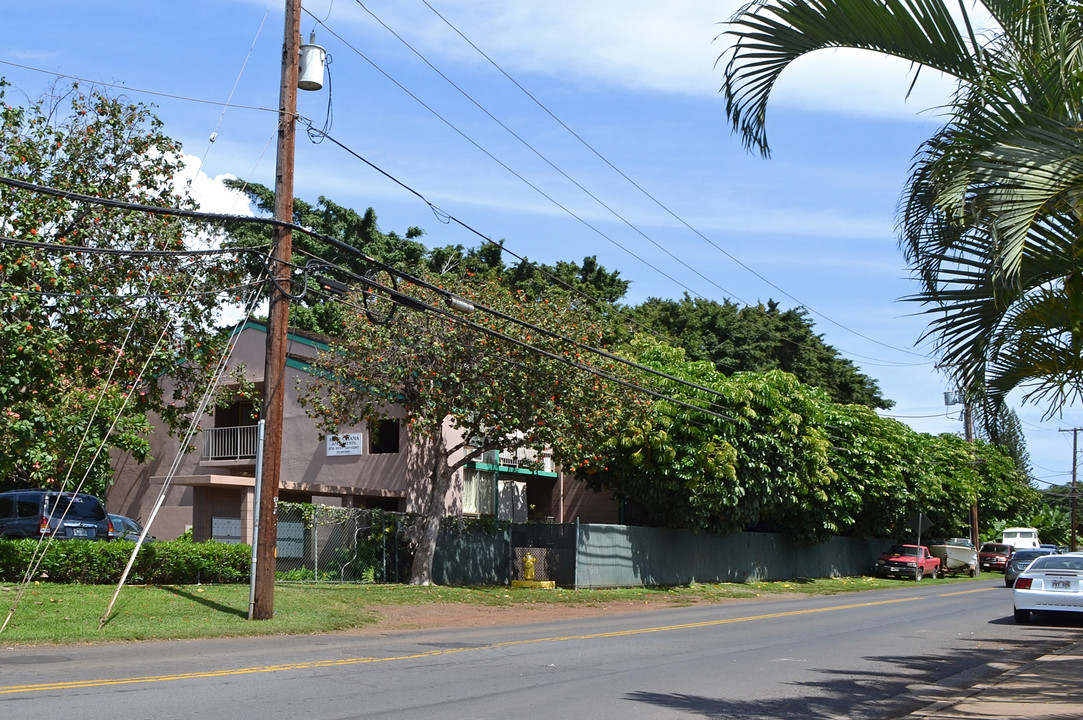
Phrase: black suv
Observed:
(63, 515)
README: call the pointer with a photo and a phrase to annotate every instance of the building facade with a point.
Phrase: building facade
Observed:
(212, 490)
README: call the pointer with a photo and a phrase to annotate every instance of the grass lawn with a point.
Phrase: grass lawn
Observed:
(54, 613)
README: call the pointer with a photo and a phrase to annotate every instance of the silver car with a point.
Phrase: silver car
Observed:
(1020, 560)
(1051, 583)
(126, 528)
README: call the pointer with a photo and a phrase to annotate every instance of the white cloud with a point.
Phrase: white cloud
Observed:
(667, 47)
(857, 82)
(211, 194)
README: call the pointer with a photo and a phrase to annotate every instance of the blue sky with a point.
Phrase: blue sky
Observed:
(690, 211)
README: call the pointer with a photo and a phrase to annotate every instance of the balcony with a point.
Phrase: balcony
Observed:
(230, 443)
(525, 458)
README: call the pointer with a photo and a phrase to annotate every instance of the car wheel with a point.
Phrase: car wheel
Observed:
(918, 575)
(1022, 616)
(1008, 583)
(934, 574)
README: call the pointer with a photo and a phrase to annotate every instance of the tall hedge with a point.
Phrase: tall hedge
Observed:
(99, 563)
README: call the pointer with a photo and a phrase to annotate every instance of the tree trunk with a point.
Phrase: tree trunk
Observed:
(432, 513)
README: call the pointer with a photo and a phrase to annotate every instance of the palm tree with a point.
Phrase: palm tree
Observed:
(991, 214)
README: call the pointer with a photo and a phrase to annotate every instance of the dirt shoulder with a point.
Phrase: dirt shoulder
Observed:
(463, 615)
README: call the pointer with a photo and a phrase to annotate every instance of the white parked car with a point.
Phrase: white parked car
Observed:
(1051, 583)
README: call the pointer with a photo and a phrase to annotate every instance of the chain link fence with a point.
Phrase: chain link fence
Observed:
(321, 543)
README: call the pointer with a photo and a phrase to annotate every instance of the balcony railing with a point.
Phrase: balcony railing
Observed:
(520, 457)
(230, 443)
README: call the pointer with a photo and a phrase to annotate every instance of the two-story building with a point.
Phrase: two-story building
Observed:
(212, 489)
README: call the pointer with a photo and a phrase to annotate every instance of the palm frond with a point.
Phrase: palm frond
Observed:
(768, 35)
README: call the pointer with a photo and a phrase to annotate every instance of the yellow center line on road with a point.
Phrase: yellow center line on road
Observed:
(316, 664)
(968, 592)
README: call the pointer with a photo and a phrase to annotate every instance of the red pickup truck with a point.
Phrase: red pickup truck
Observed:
(912, 561)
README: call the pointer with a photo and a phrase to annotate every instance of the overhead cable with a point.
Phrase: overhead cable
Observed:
(335, 242)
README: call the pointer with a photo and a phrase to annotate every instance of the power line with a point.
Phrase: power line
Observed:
(417, 304)
(78, 249)
(605, 160)
(449, 217)
(196, 214)
(492, 157)
(156, 93)
(132, 296)
(547, 161)
(440, 214)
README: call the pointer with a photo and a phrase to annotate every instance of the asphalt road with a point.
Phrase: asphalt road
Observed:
(864, 655)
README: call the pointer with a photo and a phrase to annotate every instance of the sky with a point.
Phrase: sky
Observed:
(565, 128)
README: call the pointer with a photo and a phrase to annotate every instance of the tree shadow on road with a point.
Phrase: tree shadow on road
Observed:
(892, 686)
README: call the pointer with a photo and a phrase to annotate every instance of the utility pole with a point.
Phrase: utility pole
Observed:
(1075, 459)
(968, 431)
(954, 398)
(277, 320)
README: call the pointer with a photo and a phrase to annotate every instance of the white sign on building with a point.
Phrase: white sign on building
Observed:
(339, 445)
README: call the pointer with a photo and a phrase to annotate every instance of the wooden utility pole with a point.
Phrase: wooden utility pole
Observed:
(1075, 463)
(278, 320)
(968, 430)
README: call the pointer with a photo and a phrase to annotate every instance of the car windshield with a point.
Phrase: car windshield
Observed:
(78, 507)
(1057, 562)
(1025, 556)
(901, 550)
(1001, 549)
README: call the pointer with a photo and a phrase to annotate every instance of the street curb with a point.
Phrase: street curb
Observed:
(934, 709)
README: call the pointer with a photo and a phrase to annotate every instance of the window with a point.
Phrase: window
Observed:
(237, 414)
(478, 492)
(384, 437)
(28, 506)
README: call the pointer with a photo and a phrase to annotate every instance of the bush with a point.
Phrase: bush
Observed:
(102, 563)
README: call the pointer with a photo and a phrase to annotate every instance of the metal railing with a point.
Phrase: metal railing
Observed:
(230, 443)
(520, 457)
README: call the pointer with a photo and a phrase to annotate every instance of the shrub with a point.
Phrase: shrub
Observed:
(99, 563)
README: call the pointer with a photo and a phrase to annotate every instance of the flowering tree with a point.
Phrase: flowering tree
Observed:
(493, 383)
(95, 302)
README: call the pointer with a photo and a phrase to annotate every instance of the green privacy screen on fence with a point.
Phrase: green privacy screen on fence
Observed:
(333, 544)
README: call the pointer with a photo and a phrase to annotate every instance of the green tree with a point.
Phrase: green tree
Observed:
(782, 457)
(756, 339)
(990, 213)
(85, 332)
(999, 425)
(588, 282)
(759, 460)
(1052, 523)
(878, 463)
(1006, 492)
(487, 391)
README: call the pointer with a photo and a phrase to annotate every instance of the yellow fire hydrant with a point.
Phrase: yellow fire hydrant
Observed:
(528, 567)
